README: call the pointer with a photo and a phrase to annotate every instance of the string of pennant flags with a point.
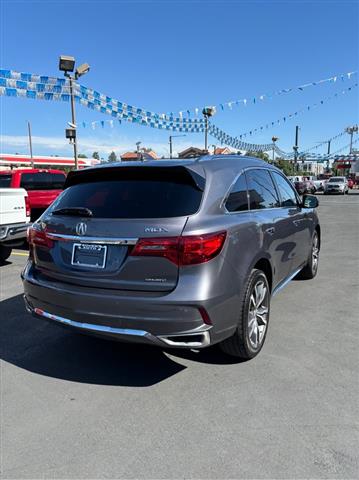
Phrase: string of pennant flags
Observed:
(41, 87)
(292, 115)
(314, 147)
(267, 96)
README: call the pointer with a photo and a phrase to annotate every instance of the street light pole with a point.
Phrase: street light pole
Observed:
(73, 119)
(274, 139)
(30, 144)
(66, 65)
(207, 112)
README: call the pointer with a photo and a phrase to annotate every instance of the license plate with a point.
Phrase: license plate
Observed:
(89, 255)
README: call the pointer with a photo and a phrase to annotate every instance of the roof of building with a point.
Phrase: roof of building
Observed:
(222, 151)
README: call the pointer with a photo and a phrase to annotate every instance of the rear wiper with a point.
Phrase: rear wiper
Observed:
(75, 211)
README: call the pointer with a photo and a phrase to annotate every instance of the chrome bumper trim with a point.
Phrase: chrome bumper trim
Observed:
(90, 326)
(158, 340)
(98, 240)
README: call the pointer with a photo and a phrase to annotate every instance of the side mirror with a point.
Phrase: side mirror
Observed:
(310, 201)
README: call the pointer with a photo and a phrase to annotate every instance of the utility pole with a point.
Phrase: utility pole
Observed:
(295, 148)
(138, 150)
(30, 144)
(170, 142)
(328, 153)
(351, 131)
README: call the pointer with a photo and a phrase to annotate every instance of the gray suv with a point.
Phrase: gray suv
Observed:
(175, 253)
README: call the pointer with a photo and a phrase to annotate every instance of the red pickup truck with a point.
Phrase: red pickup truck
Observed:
(42, 186)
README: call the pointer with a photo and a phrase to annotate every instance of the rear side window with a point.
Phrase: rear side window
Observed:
(238, 200)
(5, 181)
(286, 191)
(145, 193)
(262, 192)
(42, 181)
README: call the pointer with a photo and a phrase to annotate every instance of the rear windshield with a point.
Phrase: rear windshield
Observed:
(42, 181)
(145, 193)
(336, 180)
(5, 181)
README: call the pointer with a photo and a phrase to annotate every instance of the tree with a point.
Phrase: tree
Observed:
(112, 157)
(81, 155)
(96, 155)
(262, 155)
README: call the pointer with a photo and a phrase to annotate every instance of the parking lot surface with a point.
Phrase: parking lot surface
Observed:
(78, 407)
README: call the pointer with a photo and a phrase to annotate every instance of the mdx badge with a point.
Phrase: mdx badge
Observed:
(155, 230)
(81, 228)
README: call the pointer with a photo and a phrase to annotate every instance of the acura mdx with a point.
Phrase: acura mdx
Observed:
(175, 253)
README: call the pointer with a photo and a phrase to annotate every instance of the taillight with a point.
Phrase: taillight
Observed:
(187, 250)
(27, 206)
(166, 247)
(36, 236)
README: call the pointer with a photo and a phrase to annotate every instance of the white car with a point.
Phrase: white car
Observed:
(14, 219)
(336, 185)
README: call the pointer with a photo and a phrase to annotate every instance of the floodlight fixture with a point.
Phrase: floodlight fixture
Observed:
(82, 70)
(66, 63)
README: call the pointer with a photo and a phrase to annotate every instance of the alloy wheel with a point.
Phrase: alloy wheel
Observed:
(258, 313)
(315, 253)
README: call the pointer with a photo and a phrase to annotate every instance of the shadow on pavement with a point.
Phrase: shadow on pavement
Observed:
(50, 350)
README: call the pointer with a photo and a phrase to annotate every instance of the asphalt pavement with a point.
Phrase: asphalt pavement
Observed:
(77, 407)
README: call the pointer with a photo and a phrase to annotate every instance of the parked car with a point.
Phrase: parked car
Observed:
(319, 185)
(350, 183)
(336, 185)
(305, 186)
(180, 254)
(14, 219)
(43, 186)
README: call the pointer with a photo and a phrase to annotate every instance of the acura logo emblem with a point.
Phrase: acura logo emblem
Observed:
(81, 228)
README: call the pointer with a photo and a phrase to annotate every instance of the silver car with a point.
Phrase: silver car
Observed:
(175, 253)
(336, 185)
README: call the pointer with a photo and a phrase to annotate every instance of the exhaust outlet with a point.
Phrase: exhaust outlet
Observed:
(191, 340)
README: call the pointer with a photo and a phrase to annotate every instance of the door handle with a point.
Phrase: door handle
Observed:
(296, 222)
(270, 230)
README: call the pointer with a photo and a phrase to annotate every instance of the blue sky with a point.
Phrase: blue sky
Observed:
(173, 55)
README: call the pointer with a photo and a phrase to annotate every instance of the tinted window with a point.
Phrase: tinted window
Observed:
(238, 200)
(5, 181)
(262, 193)
(42, 181)
(135, 194)
(286, 192)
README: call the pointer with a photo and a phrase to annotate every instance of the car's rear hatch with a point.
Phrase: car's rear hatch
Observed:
(90, 231)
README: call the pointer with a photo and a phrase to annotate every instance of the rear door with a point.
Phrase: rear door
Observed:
(94, 247)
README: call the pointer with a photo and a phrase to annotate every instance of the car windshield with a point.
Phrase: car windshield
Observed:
(336, 180)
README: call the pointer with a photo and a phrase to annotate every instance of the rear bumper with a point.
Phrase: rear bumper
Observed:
(155, 319)
(197, 339)
(13, 232)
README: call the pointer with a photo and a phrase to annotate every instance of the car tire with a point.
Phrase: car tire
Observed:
(251, 331)
(5, 253)
(310, 270)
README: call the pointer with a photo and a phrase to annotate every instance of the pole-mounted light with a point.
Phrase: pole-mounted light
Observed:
(67, 65)
(207, 112)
